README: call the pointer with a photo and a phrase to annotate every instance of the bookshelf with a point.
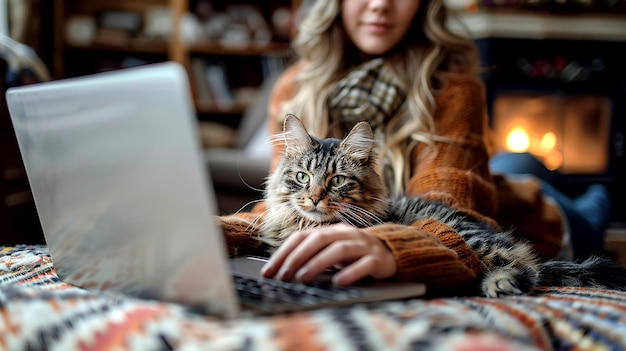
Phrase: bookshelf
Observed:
(99, 35)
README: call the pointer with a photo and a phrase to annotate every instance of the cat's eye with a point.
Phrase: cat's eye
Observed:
(338, 180)
(302, 177)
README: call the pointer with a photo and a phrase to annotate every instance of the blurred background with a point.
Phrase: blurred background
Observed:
(555, 73)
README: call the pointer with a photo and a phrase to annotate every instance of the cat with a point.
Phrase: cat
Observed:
(323, 181)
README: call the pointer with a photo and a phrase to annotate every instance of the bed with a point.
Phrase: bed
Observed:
(40, 312)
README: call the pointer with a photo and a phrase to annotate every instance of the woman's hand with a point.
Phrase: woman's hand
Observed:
(308, 253)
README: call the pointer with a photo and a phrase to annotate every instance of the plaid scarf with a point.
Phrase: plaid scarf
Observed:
(367, 93)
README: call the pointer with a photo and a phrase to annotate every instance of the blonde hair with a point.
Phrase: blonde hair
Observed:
(422, 62)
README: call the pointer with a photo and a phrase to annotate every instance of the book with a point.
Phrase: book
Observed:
(201, 86)
(218, 82)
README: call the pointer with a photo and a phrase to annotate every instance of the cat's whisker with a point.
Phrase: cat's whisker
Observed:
(257, 221)
(355, 219)
(363, 221)
(355, 208)
(242, 208)
(346, 220)
(246, 183)
(358, 209)
(350, 216)
(252, 225)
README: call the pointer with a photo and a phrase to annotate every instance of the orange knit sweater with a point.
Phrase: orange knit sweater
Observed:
(456, 173)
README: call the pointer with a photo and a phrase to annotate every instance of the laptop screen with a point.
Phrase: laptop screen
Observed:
(115, 167)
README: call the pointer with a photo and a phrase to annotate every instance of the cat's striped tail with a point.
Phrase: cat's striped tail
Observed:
(594, 272)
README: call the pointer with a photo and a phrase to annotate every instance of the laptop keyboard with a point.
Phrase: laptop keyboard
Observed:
(270, 294)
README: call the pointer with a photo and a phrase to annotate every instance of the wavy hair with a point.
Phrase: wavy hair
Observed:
(429, 54)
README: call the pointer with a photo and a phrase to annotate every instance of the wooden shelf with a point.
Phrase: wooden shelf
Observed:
(207, 107)
(511, 23)
(244, 65)
(215, 48)
(134, 46)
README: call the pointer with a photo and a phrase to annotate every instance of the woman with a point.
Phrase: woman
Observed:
(395, 64)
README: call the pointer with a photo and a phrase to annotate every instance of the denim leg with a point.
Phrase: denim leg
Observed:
(522, 163)
(587, 215)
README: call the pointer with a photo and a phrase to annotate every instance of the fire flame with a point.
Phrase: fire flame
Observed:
(519, 140)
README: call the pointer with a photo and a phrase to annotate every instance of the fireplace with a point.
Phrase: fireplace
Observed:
(564, 101)
(568, 133)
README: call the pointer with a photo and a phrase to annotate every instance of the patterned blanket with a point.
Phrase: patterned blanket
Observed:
(39, 312)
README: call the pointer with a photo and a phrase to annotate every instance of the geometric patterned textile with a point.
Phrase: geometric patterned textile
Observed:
(39, 312)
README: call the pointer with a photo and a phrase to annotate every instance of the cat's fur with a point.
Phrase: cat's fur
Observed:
(324, 181)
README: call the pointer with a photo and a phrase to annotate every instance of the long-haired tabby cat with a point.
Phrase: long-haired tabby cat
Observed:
(324, 181)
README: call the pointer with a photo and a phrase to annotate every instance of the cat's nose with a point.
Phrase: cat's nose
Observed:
(315, 199)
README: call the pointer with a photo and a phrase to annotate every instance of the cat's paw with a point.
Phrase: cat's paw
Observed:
(499, 284)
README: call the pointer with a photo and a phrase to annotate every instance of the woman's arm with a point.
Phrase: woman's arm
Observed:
(455, 171)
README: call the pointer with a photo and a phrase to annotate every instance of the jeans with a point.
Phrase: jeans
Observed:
(588, 215)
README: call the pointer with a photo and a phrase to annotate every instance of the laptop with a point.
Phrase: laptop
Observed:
(125, 202)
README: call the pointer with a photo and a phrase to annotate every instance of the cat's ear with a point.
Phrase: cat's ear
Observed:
(295, 135)
(359, 142)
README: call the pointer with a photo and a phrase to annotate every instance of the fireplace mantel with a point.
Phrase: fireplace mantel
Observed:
(543, 25)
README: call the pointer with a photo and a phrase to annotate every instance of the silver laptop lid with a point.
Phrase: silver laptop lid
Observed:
(115, 167)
